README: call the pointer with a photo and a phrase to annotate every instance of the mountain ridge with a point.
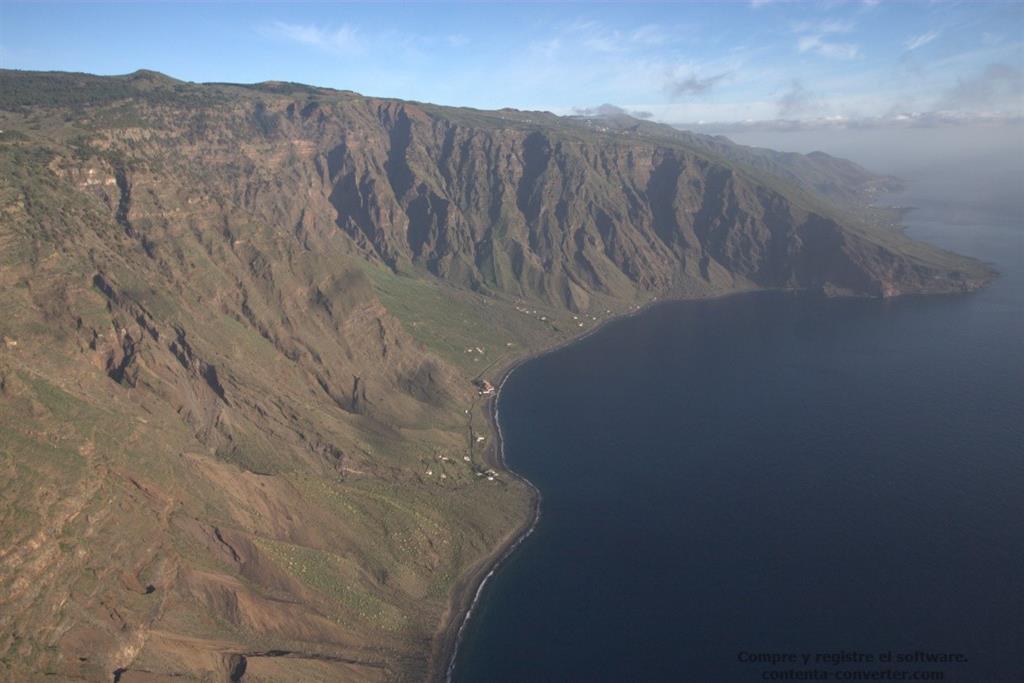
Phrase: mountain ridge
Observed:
(241, 325)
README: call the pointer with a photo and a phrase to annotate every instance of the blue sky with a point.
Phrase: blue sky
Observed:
(678, 62)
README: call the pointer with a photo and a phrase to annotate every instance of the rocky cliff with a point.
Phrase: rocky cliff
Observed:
(240, 325)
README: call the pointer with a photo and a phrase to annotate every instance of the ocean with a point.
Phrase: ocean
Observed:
(770, 485)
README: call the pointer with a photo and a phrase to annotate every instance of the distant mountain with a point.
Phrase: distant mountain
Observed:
(840, 181)
(240, 323)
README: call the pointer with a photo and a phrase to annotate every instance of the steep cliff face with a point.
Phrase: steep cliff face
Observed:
(560, 212)
(553, 213)
(239, 330)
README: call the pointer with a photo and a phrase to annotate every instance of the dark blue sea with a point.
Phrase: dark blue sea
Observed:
(774, 475)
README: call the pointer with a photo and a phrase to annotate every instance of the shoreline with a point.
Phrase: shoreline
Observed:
(470, 589)
(521, 534)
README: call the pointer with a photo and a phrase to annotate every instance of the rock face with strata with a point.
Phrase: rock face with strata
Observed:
(222, 454)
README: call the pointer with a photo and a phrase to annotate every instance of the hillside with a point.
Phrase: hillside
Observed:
(238, 430)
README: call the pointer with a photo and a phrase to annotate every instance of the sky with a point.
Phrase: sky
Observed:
(768, 63)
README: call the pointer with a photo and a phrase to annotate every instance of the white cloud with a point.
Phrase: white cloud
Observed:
(814, 34)
(818, 45)
(347, 39)
(823, 27)
(673, 72)
(344, 39)
(902, 120)
(920, 41)
(609, 111)
(546, 49)
(709, 111)
(595, 36)
(649, 34)
(599, 37)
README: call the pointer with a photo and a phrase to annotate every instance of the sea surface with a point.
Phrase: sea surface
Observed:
(776, 474)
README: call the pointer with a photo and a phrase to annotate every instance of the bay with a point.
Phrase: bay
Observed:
(776, 473)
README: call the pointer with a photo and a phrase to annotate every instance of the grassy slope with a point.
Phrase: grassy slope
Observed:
(93, 467)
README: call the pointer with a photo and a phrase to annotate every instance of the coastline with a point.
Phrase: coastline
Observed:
(471, 586)
(519, 535)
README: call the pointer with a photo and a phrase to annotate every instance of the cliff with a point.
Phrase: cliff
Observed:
(240, 327)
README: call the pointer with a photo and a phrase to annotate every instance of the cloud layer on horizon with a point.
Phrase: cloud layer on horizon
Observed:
(835, 78)
(829, 60)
